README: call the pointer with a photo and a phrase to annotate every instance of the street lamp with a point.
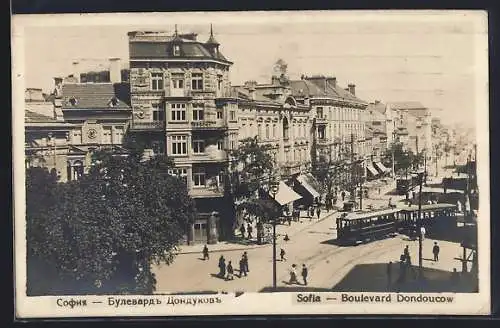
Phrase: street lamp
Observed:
(274, 188)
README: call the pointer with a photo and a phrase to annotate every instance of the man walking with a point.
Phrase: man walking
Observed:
(243, 269)
(435, 251)
(205, 253)
(318, 211)
(249, 229)
(245, 261)
(242, 230)
(282, 255)
(304, 274)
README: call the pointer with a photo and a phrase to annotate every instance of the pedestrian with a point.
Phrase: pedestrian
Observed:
(293, 275)
(435, 251)
(230, 271)
(342, 194)
(245, 259)
(289, 220)
(282, 255)
(390, 203)
(222, 267)
(249, 229)
(304, 274)
(389, 274)
(286, 238)
(242, 230)
(318, 211)
(205, 253)
(242, 267)
(311, 212)
(406, 252)
(422, 232)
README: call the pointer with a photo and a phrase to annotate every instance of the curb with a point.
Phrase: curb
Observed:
(242, 248)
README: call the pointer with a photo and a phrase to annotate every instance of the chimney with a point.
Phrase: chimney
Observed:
(76, 71)
(352, 88)
(115, 73)
(332, 81)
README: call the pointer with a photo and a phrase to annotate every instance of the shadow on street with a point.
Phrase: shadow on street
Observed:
(374, 278)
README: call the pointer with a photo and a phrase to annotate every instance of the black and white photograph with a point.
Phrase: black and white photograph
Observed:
(336, 154)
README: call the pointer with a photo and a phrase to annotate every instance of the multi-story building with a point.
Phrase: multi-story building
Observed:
(80, 118)
(338, 124)
(414, 119)
(180, 96)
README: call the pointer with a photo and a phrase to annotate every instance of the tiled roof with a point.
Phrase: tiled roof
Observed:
(162, 49)
(318, 88)
(92, 96)
(243, 94)
(379, 107)
(407, 105)
(32, 117)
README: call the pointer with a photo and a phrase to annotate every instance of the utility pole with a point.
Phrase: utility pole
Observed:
(353, 186)
(420, 180)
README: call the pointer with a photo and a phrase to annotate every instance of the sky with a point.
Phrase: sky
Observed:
(401, 58)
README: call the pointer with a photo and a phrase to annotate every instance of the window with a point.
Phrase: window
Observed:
(178, 81)
(220, 144)
(275, 131)
(232, 141)
(156, 81)
(243, 131)
(267, 132)
(177, 50)
(106, 135)
(198, 146)
(197, 81)
(197, 112)
(178, 112)
(118, 134)
(259, 130)
(319, 112)
(219, 82)
(158, 113)
(219, 114)
(179, 145)
(180, 173)
(199, 176)
(232, 115)
(77, 137)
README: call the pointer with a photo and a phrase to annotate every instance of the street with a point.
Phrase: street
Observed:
(312, 244)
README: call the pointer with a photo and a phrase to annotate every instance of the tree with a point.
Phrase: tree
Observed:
(100, 234)
(403, 160)
(251, 167)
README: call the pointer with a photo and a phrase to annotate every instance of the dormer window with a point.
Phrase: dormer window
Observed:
(73, 101)
(113, 102)
(177, 50)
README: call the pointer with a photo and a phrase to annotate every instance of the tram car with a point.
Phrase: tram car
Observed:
(437, 219)
(361, 227)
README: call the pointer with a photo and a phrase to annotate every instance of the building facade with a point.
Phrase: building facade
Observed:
(182, 107)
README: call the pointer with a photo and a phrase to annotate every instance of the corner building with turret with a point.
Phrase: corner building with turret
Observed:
(181, 106)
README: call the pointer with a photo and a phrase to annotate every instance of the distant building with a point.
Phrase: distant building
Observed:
(412, 119)
(81, 117)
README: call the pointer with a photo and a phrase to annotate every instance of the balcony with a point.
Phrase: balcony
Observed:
(323, 141)
(321, 120)
(210, 156)
(206, 192)
(178, 93)
(148, 126)
(208, 125)
(290, 168)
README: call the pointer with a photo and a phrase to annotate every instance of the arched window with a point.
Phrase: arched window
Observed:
(285, 128)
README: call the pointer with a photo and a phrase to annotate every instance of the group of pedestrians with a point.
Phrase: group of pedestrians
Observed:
(293, 275)
(248, 230)
(226, 271)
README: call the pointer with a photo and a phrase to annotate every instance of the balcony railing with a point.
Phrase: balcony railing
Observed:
(321, 120)
(154, 125)
(206, 192)
(323, 141)
(208, 125)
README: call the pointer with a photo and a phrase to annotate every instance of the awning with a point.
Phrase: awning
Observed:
(303, 180)
(381, 167)
(372, 170)
(285, 194)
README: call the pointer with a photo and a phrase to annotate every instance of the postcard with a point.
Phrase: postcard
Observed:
(251, 163)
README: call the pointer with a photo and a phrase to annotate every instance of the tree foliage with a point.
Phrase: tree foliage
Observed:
(104, 230)
(404, 160)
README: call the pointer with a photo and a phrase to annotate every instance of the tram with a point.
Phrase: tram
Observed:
(437, 219)
(360, 227)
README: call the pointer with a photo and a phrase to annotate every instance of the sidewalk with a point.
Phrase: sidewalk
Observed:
(243, 244)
